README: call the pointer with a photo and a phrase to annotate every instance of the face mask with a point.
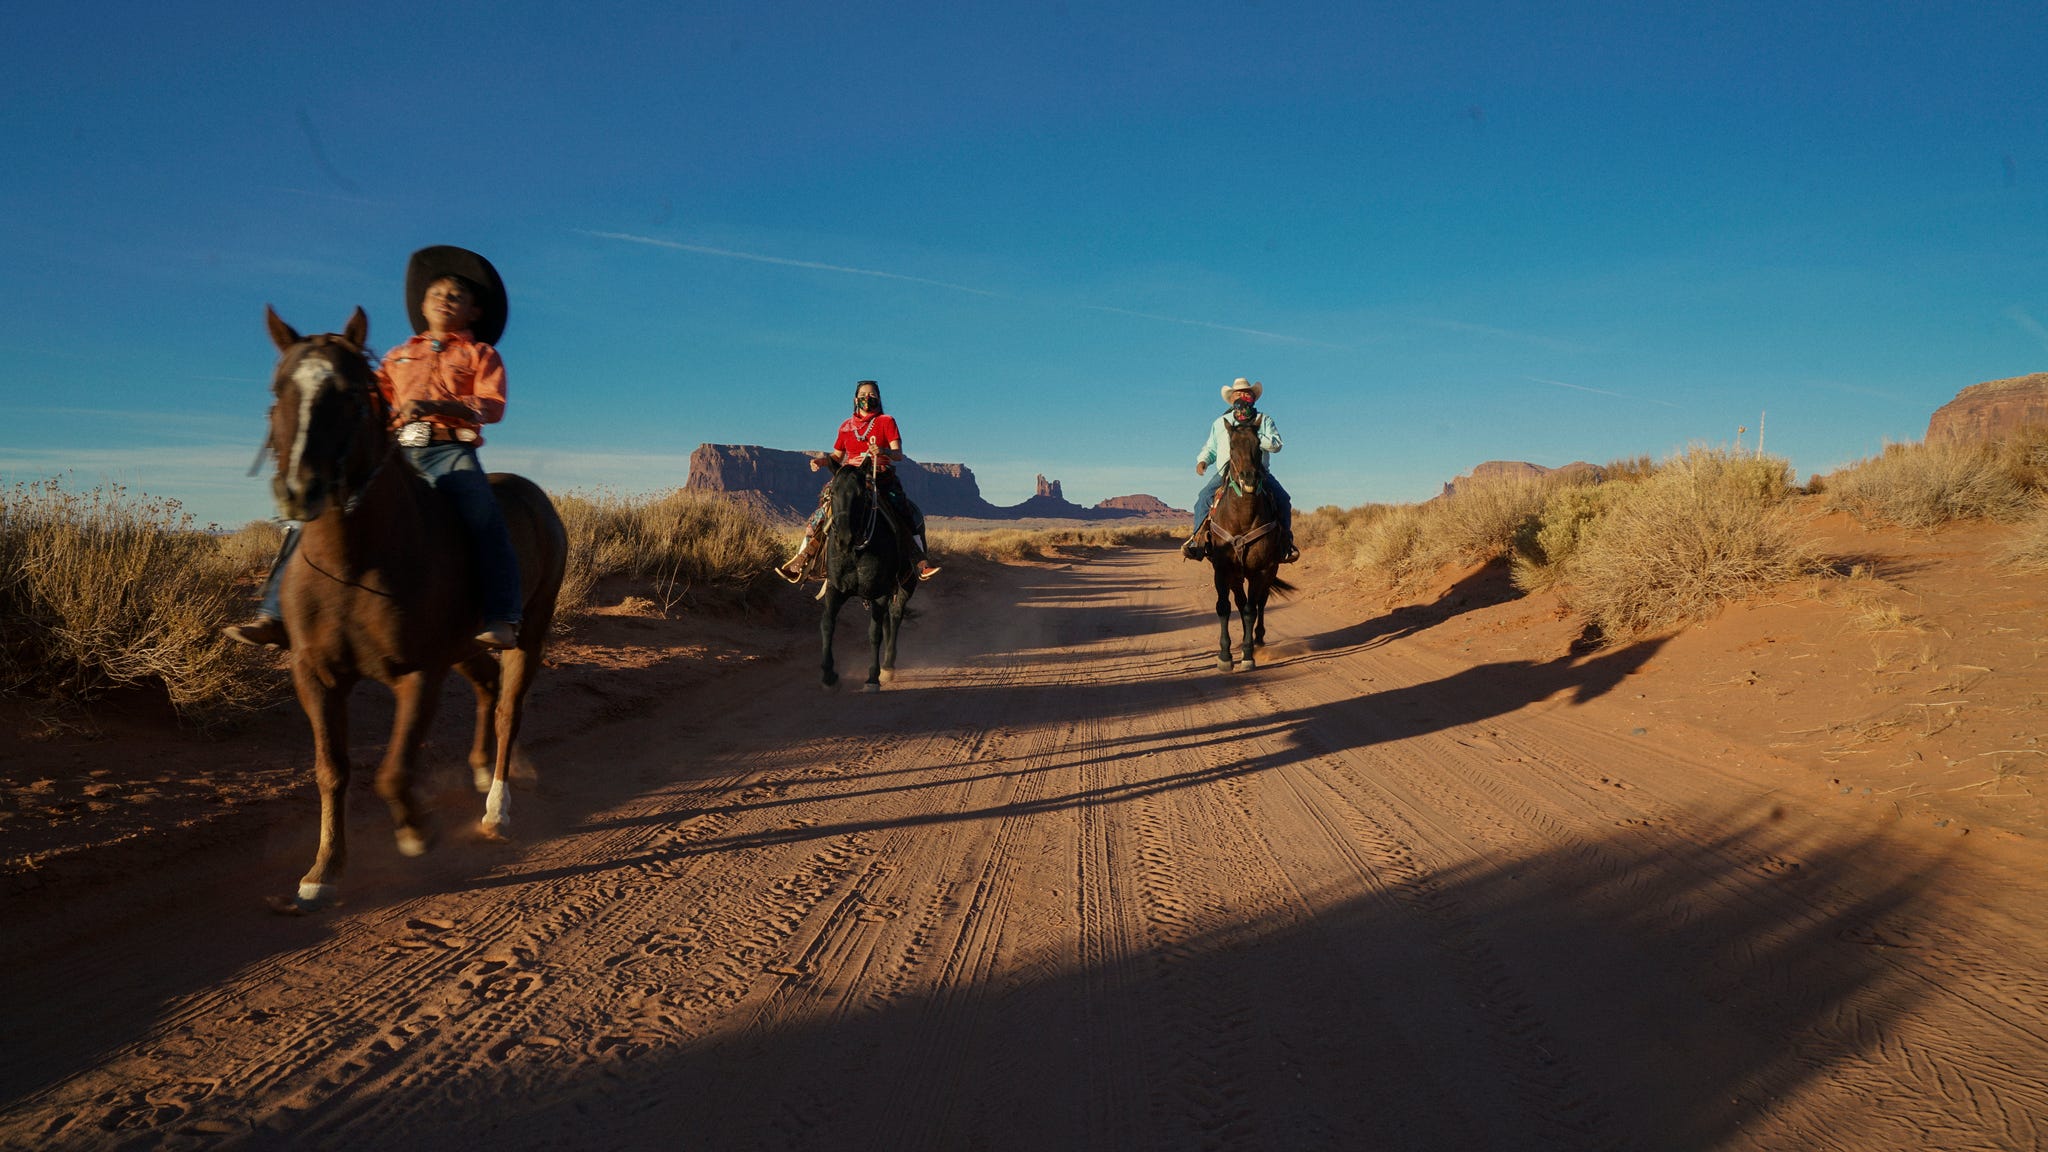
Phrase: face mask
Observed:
(1242, 406)
(864, 403)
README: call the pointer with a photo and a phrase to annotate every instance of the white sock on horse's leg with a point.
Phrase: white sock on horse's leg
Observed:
(498, 805)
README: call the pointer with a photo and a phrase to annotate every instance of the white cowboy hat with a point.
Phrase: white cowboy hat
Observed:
(1243, 385)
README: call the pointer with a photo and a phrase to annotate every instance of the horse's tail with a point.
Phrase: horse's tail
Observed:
(1279, 585)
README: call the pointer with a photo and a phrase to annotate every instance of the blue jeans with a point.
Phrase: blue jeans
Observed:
(454, 472)
(1282, 502)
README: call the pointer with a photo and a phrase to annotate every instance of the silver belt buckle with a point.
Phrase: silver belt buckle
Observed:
(417, 434)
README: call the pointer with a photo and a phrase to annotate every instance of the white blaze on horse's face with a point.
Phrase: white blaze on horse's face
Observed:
(311, 378)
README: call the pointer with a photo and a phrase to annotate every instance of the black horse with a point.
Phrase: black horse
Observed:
(1245, 542)
(866, 556)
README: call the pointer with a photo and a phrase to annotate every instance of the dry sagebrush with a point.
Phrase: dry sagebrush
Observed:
(1928, 485)
(101, 590)
(1012, 544)
(2028, 549)
(1709, 527)
(681, 541)
(1406, 545)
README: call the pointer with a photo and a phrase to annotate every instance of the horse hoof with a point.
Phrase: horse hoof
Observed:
(412, 842)
(482, 777)
(290, 906)
(888, 675)
(871, 686)
(1248, 666)
(499, 832)
(309, 899)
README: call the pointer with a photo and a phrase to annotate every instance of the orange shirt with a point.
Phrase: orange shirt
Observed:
(462, 370)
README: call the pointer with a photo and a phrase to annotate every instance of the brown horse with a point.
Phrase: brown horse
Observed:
(382, 586)
(1245, 544)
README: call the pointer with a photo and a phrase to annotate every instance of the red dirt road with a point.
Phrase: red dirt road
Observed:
(1065, 885)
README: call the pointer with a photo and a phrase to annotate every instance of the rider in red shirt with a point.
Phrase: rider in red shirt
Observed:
(867, 433)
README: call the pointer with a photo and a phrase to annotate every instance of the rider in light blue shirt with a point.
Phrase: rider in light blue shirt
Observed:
(1241, 395)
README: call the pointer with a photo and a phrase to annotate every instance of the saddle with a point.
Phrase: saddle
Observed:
(1235, 543)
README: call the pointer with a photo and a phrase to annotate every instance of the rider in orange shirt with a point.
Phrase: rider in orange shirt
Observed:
(442, 386)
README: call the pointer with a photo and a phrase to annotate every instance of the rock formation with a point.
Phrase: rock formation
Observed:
(781, 484)
(1518, 470)
(1992, 409)
(1140, 504)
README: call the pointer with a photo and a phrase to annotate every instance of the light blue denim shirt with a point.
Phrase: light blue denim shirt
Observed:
(1218, 447)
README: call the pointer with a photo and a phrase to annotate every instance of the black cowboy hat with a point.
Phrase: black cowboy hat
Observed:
(430, 264)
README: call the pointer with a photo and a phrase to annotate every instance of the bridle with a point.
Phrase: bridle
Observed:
(366, 402)
(1232, 475)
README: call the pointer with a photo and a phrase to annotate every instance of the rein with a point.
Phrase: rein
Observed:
(874, 483)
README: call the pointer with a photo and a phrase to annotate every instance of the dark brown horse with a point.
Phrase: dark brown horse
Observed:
(1245, 544)
(866, 557)
(382, 586)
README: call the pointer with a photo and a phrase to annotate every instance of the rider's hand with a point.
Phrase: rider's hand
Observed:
(1201, 466)
(413, 410)
(817, 462)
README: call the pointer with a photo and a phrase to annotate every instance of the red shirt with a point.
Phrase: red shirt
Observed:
(860, 434)
(463, 370)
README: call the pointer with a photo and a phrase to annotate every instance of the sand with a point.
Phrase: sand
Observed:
(1432, 876)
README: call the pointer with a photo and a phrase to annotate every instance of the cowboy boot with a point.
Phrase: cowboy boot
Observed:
(925, 568)
(1196, 546)
(263, 632)
(793, 569)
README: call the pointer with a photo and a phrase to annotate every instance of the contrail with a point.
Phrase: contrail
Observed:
(2026, 321)
(320, 154)
(733, 254)
(1281, 336)
(1599, 391)
(705, 250)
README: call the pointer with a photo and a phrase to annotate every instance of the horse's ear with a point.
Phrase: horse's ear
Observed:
(358, 328)
(281, 333)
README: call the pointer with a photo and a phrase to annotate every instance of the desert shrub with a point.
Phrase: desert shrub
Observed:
(253, 547)
(102, 589)
(1482, 521)
(1003, 545)
(680, 540)
(1544, 546)
(2028, 549)
(1338, 529)
(1707, 528)
(1927, 485)
(1407, 544)
(1317, 527)
(2023, 456)
(1387, 544)
(1629, 469)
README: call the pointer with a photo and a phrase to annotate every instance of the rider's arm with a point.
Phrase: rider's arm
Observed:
(1210, 453)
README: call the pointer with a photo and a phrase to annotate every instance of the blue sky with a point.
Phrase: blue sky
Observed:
(1440, 234)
